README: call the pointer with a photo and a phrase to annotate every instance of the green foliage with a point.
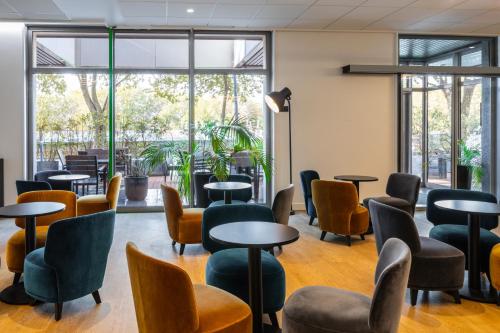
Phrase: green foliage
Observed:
(470, 156)
(139, 168)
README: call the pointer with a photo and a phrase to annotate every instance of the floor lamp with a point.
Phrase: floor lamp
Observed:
(276, 102)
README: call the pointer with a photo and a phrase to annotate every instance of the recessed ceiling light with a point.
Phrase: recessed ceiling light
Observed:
(190, 10)
(472, 47)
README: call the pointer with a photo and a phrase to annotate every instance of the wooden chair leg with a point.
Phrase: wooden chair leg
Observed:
(311, 220)
(181, 252)
(362, 237)
(323, 234)
(274, 320)
(58, 308)
(413, 296)
(17, 277)
(97, 297)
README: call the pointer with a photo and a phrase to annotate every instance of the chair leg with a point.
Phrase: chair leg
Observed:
(17, 277)
(348, 240)
(173, 243)
(456, 296)
(274, 319)
(59, 307)
(181, 252)
(280, 247)
(323, 234)
(498, 298)
(311, 220)
(97, 297)
(413, 296)
(271, 250)
(362, 237)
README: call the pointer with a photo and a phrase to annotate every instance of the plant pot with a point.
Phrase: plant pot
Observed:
(464, 177)
(136, 188)
(200, 194)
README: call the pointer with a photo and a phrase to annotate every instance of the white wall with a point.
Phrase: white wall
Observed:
(341, 124)
(12, 105)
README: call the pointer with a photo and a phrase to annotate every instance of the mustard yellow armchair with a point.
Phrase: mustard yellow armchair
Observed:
(184, 225)
(16, 244)
(338, 209)
(166, 300)
(95, 203)
(495, 270)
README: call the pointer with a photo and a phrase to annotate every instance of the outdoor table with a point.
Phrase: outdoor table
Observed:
(15, 294)
(254, 235)
(475, 287)
(356, 179)
(72, 177)
(228, 188)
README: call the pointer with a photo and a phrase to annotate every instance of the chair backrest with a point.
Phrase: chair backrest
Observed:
(64, 197)
(163, 294)
(335, 202)
(99, 152)
(438, 216)
(282, 204)
(173, 209)
(114, 190)
(241, 195)
(82, 164)
(23, 186)
(214, 216)
(306, 178)
(77, 249)
(55, 184)
(389, 222)
(391, 279)
(404, 186)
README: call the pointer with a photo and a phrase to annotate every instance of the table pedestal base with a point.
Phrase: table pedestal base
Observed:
(15, 295)
(270, 329)
(483, 295)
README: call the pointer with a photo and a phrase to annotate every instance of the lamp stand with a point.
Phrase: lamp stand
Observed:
(292, 212)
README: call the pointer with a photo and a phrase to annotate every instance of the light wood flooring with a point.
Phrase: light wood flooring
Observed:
(307, 262)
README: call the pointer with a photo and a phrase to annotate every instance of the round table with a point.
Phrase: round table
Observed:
(72, 177)
(15, 294)
(356, 179)
(254, 235)
(228, 188)
(475, 288)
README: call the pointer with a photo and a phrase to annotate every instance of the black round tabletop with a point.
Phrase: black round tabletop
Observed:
(254, 234)
(69, 177)
(356, 178)
(31, 209)
(469, 206)
(227, 186)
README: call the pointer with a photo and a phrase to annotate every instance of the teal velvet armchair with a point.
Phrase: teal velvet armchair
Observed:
(73, 262)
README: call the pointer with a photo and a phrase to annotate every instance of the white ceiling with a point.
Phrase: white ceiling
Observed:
(449, 16)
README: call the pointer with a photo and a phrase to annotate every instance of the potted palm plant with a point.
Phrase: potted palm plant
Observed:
(136, 183)
(469, 166)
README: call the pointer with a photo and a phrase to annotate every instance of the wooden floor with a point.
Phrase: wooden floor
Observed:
(307, 262)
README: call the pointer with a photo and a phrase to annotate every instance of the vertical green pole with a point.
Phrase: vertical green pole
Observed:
(111, 105)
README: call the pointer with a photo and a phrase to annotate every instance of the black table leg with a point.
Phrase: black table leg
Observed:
(15, 294)
(228, 196)
(255, 288)
(475, 287)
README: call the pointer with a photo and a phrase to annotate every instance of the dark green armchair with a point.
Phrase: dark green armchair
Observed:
(73, 261)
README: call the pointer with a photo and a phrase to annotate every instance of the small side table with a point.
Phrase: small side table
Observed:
(71, 178)
(254, 235)
(15, 294)
(228, 188)
(356, 179)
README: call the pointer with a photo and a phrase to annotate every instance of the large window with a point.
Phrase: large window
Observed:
(169, 88)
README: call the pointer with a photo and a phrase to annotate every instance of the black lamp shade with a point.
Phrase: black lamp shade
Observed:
(276, 99)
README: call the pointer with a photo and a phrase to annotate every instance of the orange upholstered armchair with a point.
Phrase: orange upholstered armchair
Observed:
(90, 204)
(166, 300)
(338, 209)
(16, 244)
(184, 225)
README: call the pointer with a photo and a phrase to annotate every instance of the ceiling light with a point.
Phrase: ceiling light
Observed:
(472, 47)
(190, 10)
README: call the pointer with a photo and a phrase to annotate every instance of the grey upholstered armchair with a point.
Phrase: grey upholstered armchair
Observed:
(318, 309)
(435, 265)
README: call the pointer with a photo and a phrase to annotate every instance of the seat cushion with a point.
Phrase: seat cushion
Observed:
(457, 236)
(359, 221)
(393, 202)
(91, 204)
(437, 266)
(190, 226)
(16, 248)
(228, 270)
(39, 279)
(495, 267)
(221, 202)
(221, 312)
(318, 309)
